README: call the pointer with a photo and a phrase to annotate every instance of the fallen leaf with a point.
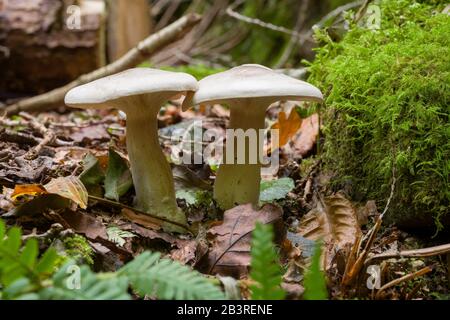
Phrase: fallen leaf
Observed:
(186, 252)
(304, 142)
(27, 189)
(271, 190)
(142, 219)
(230, 250)
(69, 187)
(184, 178)
(332, 221)
(39, 204)
(118, 177)
(287, 127)
(93, 173)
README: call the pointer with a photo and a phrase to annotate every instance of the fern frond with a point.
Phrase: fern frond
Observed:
(80, 283)
(265, 268)
(315, 282)
(21, 261)
(166, 279)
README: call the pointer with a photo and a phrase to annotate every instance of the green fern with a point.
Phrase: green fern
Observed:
(315, 282)
(148, 274)
(21, 261)
(265, 268)
(24, 276)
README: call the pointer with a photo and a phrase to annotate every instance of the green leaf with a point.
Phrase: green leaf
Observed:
(315, 282)
(47, 263)
(92, 171)
(30, 253)
(193, 197)
(275, 189)
(118, 177)
(265, 267)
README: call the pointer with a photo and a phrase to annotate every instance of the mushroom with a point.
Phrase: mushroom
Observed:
(140, 92)
(248, 90)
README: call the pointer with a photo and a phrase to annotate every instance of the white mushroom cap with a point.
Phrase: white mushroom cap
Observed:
(99, 93)
(253, 81)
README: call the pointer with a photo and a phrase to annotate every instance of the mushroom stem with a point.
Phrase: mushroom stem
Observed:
(240, 183)
(152, 176)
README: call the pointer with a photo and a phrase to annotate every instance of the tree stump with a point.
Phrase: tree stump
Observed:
(45, 44)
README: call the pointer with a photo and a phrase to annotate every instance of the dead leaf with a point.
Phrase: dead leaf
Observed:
(304, 142)
(71, 188)
(142, 219)
(186, 252)
(27, 189)
(333, 221)
(230, 251)
(288, 127)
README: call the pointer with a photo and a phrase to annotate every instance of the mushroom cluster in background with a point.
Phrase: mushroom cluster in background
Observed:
(247, 90)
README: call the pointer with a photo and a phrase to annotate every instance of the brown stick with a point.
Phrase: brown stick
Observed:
(395, 282)
(132, 58)
(426, 252)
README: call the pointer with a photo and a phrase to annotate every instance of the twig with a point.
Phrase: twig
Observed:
(336, 12)
(132, 58)
(230, 11)
(395, 282)
(425, 252)
(48, 136)
(124, 206)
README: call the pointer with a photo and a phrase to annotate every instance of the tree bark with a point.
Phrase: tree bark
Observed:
(128, 23)
(47, 43)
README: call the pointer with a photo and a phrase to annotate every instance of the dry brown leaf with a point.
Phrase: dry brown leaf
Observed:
(27, 189)
(307, 137)
(288, 127)
(332, 221)
(143, 220)
(69, 187)
(230, 251)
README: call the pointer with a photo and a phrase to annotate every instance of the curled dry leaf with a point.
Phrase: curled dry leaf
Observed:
(71, 188)
(66, 187)
(230, 251)
(333, 221)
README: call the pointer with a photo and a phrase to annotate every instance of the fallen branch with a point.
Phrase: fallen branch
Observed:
(132, 58)
(417, 253)
(395, 282)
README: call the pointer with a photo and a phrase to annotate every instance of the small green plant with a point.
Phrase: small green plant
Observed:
(314, 281)
(25, 276)
(265, 267)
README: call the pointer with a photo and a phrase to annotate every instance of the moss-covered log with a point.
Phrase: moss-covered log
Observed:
(387, 106)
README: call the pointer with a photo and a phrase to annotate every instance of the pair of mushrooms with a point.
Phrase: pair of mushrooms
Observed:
(248, 90)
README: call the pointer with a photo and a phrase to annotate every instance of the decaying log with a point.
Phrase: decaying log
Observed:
(47, 43)
(140, 53)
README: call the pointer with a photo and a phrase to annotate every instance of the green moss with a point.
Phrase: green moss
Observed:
(199, 71)
(76, 247)
(387, 105)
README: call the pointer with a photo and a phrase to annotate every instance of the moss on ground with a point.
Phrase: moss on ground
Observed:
(387, 106)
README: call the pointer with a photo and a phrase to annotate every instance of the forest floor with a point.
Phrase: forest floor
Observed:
(358, 248)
